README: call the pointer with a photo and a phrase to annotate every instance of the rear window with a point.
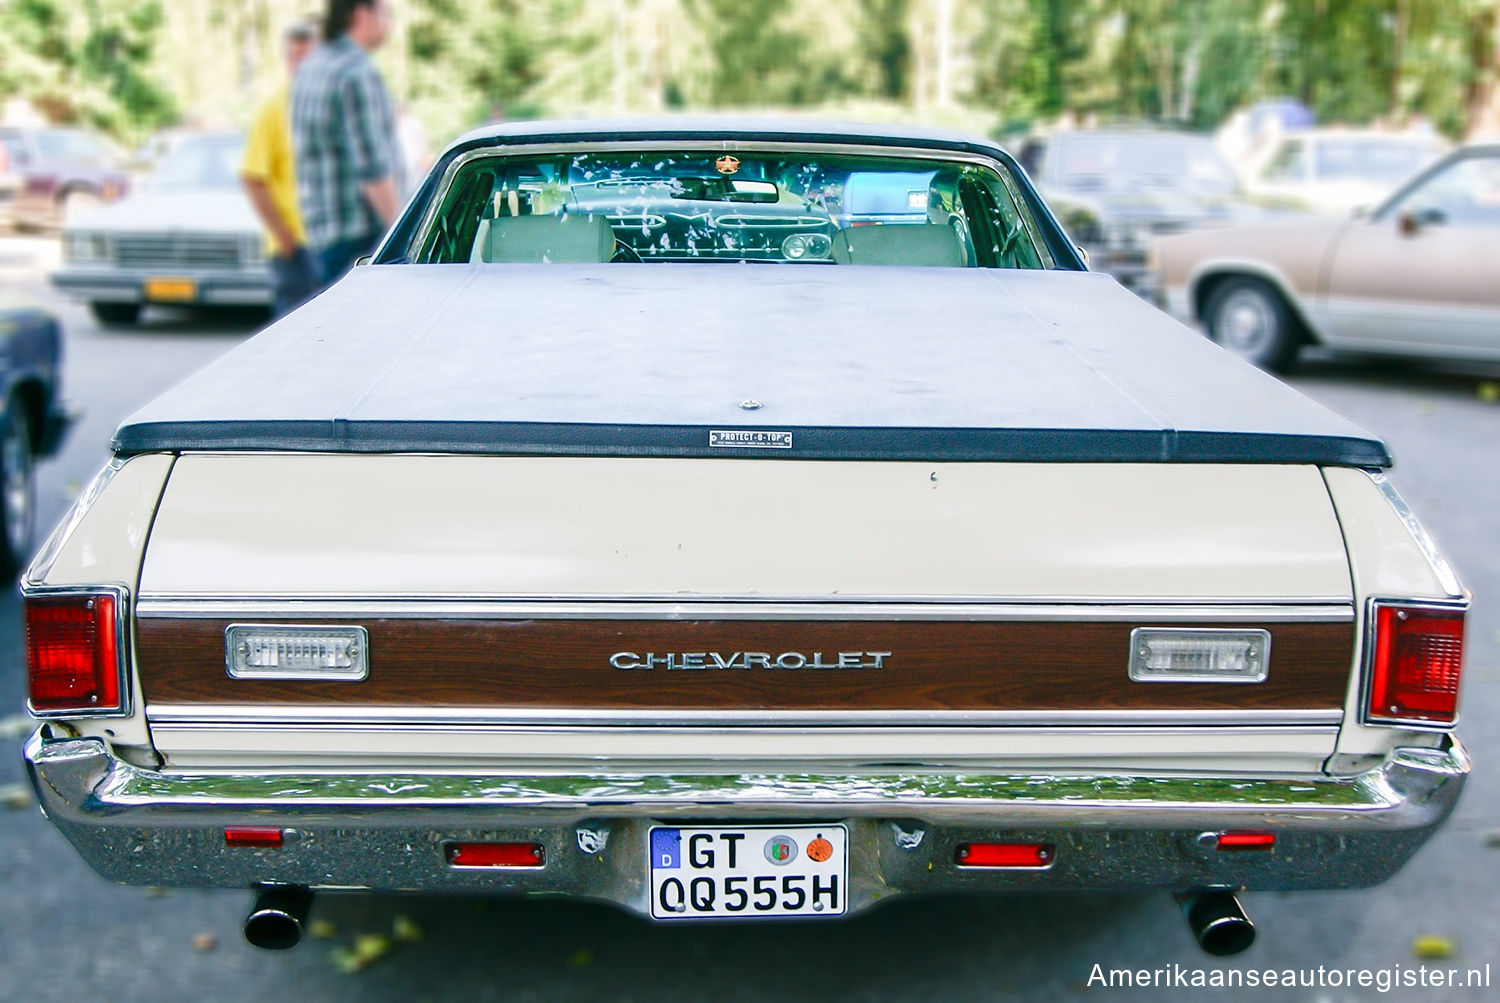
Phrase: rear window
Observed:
(784, 208)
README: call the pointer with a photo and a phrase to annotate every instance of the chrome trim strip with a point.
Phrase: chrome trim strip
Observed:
(502, 607)
(1446, 576)
(123, 647)
(260, 715)
(1367, 663)
(41, 565)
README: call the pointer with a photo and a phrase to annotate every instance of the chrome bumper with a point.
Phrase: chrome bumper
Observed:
(252, 286)
(387, 831)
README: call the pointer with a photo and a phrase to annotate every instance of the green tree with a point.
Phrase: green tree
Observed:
(90, 62)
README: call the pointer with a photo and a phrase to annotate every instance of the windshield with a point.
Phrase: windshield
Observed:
(1125, 161)
(72, 147)
(1374, 159)
(785, 208)
(201, 162)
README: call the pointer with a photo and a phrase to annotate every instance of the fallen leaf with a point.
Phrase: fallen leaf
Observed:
(1426, 410)
(205, 942)
(16, 796)
(1432, 945)
(405, 928)
(1489, 392)
(157, 892)
(1492, 839)
(322, 929)
(368, 948)
(581, 958)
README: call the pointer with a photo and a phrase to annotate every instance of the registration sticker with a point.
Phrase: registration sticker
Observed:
(749, 872)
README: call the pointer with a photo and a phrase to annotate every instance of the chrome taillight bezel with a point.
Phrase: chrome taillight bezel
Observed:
(121, 598)
(1367, 662)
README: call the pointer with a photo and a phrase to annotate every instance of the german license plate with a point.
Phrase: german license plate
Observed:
(171, 290)
(749, 872)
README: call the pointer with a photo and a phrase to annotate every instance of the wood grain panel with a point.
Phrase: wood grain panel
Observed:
(565, 664)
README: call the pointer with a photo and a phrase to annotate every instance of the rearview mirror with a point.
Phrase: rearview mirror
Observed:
(725, 190)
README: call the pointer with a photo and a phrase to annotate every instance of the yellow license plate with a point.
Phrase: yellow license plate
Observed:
(171, 290)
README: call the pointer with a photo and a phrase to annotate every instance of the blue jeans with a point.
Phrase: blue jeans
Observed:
(338, 257)
(296, 277)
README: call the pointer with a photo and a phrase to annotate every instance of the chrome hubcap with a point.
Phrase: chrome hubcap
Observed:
(1246, 323)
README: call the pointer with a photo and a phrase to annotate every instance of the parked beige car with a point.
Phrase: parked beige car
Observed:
(1420, 275)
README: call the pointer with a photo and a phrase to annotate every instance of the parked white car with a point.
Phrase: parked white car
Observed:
(1335, 171)
(188, 238)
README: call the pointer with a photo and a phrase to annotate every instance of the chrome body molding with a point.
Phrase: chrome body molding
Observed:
(1444, 572)
(41, 565)
(156, 606)
(241, 716)
(386, 831)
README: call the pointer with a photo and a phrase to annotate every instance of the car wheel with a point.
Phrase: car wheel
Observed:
(1251, 319)
(17, 490)
(116, 314)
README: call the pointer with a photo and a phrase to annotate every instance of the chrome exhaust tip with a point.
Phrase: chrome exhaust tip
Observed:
(1218, 921)
(278, 916)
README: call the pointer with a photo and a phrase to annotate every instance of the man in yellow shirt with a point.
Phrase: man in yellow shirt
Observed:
(270, 179)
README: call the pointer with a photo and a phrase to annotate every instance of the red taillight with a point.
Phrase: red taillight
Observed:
(72, 654)
(1418, 653)
(1246, 840)
(265, 837)
(496, 854)
(1004, 855)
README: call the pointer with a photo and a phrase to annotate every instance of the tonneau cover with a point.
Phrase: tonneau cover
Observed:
(828, 361)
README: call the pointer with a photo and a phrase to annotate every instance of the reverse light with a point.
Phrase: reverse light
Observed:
(1195, 655)
(74, 661)
(1004, 855)
(495, 854)
(1416, 657)
(294, 651)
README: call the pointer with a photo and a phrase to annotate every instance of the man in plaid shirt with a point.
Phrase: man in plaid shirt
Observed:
(344, 133)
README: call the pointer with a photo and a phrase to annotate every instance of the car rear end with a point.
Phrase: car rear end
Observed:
(737, 688)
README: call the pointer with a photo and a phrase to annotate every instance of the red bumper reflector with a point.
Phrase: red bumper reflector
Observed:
(72, 654)
(1418, 655)
(496, 854)
(1004, 855)
(263, 836)
(1246, 840)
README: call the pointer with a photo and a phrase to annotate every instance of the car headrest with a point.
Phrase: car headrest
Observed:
(898, 244)
(564, 239)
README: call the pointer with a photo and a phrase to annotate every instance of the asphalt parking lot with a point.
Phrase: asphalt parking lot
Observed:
(68, 933)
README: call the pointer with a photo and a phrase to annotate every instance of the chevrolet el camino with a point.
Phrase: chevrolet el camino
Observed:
(564, 550)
